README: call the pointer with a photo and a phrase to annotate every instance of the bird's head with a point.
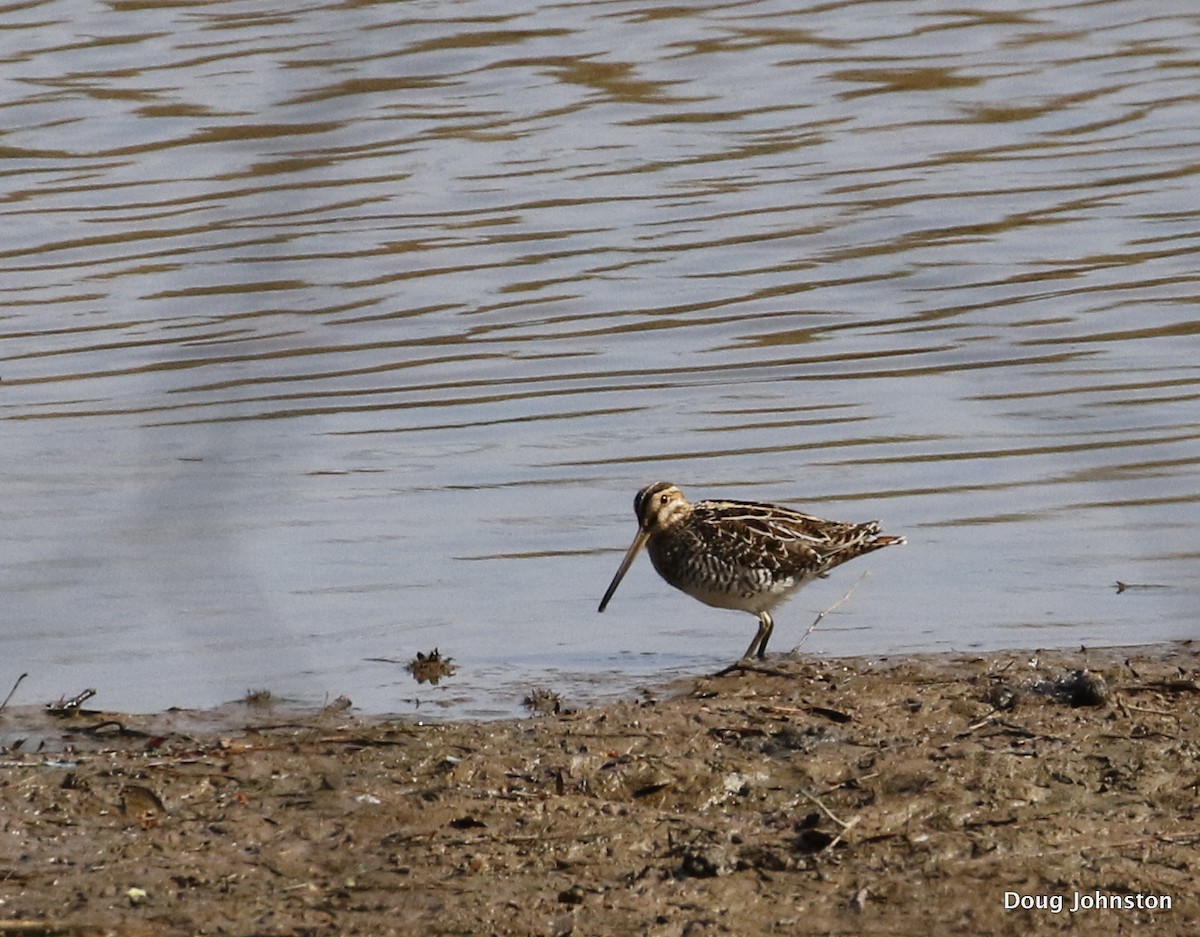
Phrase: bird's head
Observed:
(660, 505)
(657, 507)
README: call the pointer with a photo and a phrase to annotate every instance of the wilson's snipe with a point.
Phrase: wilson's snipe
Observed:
(740, 554)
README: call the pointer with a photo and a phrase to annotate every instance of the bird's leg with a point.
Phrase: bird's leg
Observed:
(765, 627)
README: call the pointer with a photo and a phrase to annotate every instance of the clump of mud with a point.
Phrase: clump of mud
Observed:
(431, 667)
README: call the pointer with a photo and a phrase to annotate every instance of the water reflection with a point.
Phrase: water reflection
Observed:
(344, 332)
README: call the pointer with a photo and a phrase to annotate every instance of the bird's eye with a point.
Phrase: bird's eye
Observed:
(663, 499)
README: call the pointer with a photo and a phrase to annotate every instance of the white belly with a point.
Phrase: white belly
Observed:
(746, 599)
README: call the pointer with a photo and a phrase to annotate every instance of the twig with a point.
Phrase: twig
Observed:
(825, 810)
(1129, 707)
(844, 830)
(13, 690)
(838, 603)
(995, 713)
(833, 715)
(1124, 586)
(1165, 686)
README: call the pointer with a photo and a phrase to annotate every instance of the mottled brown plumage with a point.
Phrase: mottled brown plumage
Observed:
(740, 554)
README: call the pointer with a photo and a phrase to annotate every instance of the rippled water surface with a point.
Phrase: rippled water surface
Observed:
(330, 333)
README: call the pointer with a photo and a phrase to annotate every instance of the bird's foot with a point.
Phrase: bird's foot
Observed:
(750, 665)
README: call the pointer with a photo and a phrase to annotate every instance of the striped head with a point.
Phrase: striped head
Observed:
(660, 505)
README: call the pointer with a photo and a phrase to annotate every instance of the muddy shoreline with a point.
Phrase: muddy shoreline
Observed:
(938, 794)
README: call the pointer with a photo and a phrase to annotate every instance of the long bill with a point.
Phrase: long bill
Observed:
(638, 542)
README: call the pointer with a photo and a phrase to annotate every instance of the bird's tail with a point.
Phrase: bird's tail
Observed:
(887, 542)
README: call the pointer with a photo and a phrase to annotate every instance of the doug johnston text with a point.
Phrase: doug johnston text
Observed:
(1095, 901)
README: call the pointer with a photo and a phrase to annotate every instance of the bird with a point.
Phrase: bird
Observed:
(742, 555)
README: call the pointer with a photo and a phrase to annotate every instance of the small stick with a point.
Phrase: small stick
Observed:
(1142, 709)
(839, 602)
(13, 690)
(845, 829)
(829, 813)
(995, 713)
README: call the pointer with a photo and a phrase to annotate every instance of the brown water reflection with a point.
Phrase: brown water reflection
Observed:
(348, 331)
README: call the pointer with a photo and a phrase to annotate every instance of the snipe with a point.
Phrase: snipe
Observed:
(740, 554)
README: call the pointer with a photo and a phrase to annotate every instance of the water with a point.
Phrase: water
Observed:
(333, 333)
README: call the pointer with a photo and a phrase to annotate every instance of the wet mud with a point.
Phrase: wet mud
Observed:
(917, 795)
